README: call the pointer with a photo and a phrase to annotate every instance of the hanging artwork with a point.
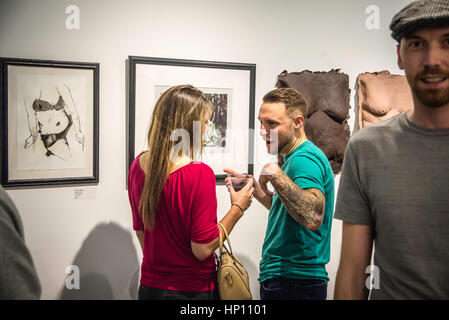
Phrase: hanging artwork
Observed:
(221, 118)
(380, 96)
(229, 138)
(327, 98)
(49, 122)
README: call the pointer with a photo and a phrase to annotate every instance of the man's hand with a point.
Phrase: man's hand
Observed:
(267, 173)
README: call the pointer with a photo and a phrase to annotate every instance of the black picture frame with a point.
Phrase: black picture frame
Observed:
(135, 61)
(74, 80)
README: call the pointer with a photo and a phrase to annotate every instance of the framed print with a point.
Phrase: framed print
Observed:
(229, 138)
(49, 117)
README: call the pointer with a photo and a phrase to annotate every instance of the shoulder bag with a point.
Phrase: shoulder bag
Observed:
(233, 280)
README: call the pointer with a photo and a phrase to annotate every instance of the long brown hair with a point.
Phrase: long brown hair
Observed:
(176, 111)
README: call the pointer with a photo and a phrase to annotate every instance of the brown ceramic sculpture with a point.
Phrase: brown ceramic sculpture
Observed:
(327, 97)
(381, 95)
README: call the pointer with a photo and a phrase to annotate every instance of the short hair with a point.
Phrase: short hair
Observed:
(291, 98)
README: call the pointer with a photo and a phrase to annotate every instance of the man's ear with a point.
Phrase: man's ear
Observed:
(398, 52)
(298, 121)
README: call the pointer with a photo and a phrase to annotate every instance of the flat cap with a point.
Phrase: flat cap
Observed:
(418, 15)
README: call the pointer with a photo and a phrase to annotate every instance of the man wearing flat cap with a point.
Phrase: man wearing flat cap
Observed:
(394, 187)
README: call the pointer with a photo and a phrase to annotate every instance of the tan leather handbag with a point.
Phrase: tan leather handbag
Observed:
(233, 280)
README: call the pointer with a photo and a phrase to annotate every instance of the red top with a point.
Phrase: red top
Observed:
(187, 211)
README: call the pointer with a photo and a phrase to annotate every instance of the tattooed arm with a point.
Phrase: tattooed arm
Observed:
(306, 206)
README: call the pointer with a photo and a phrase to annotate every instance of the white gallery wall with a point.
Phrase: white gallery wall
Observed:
(94, 232)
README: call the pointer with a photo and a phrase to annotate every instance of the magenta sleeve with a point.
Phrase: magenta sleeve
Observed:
(203, 228)
(135, 185)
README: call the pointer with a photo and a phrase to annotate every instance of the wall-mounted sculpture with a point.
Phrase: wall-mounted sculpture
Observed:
(381, 95)
(327, 96)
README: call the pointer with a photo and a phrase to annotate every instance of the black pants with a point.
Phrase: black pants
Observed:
(293, 289)
(147, 293)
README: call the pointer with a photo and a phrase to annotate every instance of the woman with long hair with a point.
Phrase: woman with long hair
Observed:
(174, 204)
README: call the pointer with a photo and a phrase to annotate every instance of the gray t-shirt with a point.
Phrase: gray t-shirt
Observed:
(395, 178)
(18, 277)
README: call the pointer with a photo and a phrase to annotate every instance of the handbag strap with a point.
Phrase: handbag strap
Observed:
(220, 237)
(221, 240)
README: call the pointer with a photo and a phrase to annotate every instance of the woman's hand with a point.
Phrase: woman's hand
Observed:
(242, 198)
(259, 193)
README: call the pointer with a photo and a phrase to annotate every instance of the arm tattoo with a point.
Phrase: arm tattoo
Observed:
(306, 206)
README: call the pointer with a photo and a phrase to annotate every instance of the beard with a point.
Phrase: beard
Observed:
(431, 97)
(280, 144)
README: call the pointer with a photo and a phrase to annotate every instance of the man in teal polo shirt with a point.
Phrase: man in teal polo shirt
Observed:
(297, 241)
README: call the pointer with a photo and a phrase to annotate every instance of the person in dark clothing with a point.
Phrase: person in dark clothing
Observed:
(18, 277)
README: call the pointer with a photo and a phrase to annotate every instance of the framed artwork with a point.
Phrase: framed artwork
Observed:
(229, 138)
(49, 117)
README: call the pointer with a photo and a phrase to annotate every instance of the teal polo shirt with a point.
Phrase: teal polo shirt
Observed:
(289, 249)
